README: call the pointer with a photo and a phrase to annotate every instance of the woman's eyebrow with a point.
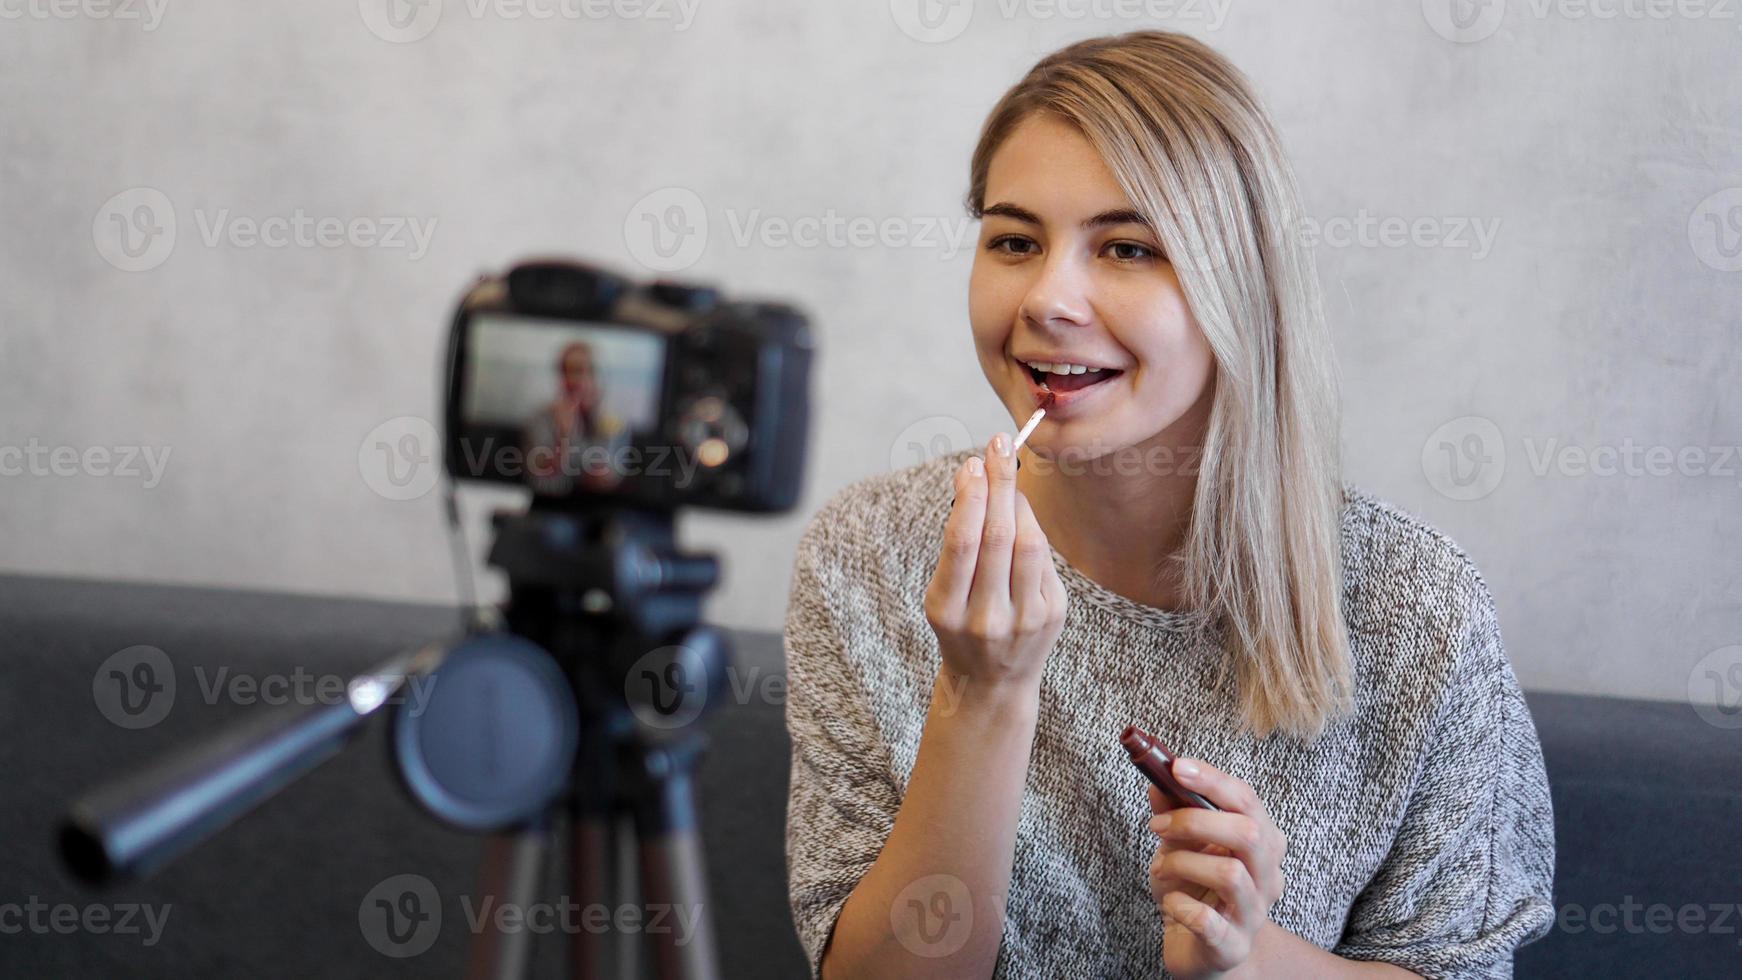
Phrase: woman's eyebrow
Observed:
(1116, 216)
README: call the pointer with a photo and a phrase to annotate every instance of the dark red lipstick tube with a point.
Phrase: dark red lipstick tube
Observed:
(1155, 761)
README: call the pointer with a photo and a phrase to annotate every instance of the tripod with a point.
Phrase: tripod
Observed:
(594, 591)
(581, 715)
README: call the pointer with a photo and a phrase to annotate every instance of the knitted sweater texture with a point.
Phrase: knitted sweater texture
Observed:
(1419, 826)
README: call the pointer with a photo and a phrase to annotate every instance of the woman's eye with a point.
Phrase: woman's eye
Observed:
(1131, 251)
(1010, 245)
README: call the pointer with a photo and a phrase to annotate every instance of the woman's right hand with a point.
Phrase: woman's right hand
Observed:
(995, 600)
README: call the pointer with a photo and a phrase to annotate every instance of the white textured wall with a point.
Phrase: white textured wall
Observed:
(1562, 271)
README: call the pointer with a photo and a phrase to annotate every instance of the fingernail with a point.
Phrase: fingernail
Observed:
(1001, 444)
(1160, 824)
(1189, 770)
(975, 467)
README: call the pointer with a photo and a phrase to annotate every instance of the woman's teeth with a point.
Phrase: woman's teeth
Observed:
(1045, 367)
(1062, 377)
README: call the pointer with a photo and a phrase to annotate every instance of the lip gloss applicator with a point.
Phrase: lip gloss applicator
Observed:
(1033, 420)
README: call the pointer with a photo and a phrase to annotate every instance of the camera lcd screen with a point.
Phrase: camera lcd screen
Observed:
(555, 404)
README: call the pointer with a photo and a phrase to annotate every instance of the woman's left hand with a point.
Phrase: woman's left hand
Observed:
(1215, 875)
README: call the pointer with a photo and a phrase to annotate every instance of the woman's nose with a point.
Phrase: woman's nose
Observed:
(1058, 296)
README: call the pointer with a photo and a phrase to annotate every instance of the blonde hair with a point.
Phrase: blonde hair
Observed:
(1190, 145)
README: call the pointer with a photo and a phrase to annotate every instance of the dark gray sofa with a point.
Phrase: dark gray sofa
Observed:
(1648, 809)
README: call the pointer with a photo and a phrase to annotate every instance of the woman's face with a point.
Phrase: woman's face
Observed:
(579, 383)
(1067, 273)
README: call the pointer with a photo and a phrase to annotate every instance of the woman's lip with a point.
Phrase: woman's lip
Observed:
(1064, 401)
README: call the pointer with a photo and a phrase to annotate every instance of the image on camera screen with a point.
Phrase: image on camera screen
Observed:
(555, 404)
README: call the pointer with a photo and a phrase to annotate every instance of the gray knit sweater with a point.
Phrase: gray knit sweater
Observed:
(1419, 827)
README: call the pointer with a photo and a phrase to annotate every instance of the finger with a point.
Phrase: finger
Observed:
(955, 572)
(1028, 575)
(1162, 879)
(1200, 919)
(1236, 834)
(1227, 792)
(1056, 598)
(1159, 803)
(991, 590)
(1164, 819)
(1225, 876)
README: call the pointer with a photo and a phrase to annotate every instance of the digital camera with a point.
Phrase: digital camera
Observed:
(588, 387)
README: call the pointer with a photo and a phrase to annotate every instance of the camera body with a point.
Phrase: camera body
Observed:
(588, 387)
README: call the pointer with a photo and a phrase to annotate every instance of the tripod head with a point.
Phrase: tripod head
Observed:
(603, 637)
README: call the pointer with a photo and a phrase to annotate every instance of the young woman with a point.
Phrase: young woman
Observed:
(967, 638)
(574, 438)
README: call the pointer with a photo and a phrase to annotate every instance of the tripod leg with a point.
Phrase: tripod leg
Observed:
(674, 884)
(592, 876)
(508, 877)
